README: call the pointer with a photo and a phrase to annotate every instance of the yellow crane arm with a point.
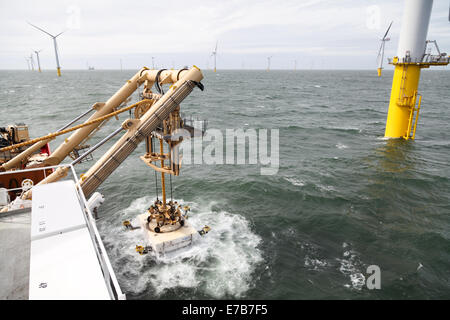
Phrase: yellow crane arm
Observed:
(103, 110)
(137, 131)
(142, 76)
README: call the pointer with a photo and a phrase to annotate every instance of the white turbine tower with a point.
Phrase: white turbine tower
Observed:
(58, 67)
(214, 53)
(28, 63)
(381, 51)
(268, 63)
(38, 61)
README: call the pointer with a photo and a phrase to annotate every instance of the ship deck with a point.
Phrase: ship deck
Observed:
(52, 250)
(15, 254)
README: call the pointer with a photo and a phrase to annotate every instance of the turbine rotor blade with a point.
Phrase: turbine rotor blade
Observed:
(387, 30)
(60, 33)
(41, 29)
(380, 50)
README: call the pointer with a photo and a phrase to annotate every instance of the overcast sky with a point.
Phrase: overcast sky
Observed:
(319, 34)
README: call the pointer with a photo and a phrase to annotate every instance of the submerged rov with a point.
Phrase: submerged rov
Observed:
(165, 229)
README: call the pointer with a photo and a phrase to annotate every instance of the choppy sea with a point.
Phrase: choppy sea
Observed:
(344, 198)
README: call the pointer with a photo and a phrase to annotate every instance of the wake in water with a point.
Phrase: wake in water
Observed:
(219, 264)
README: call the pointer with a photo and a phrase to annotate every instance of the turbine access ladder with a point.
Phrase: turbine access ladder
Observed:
(409, 101)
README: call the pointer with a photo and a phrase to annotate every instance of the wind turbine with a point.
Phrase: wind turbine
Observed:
(153, 62)
(214, 53)
(58, 67)
(32, 62)
(268, 63)
(295, 65)
(38, 61)
(381, 51)
(28, 63)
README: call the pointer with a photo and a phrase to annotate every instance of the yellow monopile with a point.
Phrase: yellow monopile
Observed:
(403, 100)
(411, 56)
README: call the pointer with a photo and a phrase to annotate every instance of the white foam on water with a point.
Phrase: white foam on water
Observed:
(341, 146)
(313, 261)
(350, 266)
(295, 181)
(358, 280)
(314, 264)
(326, 188)
(219, 264)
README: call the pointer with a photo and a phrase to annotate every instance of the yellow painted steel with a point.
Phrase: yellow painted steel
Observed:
(403, 99)
(379, 72)
(59, 72)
